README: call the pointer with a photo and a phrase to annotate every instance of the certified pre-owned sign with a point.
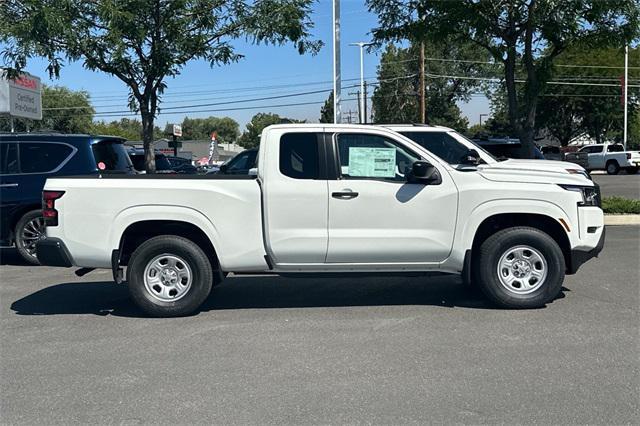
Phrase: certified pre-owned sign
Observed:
(21, 97)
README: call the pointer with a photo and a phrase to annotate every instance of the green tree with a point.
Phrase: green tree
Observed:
(63, 110)
(251, 137)
(143, 42)
(525, 36)
(569, 110)
(396, 98)
(227, 128)
(326, 112)
(130, 129)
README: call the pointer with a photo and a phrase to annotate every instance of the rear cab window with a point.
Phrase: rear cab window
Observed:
(299, 155)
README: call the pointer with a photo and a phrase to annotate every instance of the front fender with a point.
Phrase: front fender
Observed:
(470, 224)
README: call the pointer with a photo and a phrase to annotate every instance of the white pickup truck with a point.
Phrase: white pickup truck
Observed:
(612, 158)
(332, 199)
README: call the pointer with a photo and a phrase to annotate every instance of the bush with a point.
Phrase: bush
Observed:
(620, 205)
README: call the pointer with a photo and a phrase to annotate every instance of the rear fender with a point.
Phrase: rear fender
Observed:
(136, 214)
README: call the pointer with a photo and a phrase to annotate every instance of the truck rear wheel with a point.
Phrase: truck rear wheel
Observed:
(520, 267)
(613, 168)
(169, 276)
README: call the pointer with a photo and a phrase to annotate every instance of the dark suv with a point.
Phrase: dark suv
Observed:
(28, 159)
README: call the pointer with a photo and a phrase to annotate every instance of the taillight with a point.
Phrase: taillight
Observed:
(48, 207)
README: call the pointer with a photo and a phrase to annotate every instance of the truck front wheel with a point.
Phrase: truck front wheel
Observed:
(169, 276)
(520, 267)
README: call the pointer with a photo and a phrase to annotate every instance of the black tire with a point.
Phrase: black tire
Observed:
(197, 263)
(490, 253)
(612, 167)
(632, 170)
(24, 229)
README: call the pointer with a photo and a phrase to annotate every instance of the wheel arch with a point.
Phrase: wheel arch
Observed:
(138, 232)
(17, 214)
(135, 224)
(547, 224)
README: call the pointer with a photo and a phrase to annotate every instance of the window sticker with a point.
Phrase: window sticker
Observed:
(372, 162)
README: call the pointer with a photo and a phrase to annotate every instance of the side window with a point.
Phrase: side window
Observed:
(373, 157)
(615, 148)
(299, 158)
(440, 144)
(9, 159)
(596, 149)
(38, 157)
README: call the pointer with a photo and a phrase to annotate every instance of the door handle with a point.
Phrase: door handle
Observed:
(345, 195)
(8, 185)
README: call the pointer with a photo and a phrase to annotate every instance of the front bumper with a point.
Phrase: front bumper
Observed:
(53, 252)
(579, 257)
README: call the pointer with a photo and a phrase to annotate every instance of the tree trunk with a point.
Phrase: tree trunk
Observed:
(147, 140)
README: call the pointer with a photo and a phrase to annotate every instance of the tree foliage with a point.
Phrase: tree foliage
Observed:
(251, 136)
(326, 112)
(597, 110)
(227, 129)
(396, 98)
(63, 110)
(143, 42)
(524, 36)
(130, 129)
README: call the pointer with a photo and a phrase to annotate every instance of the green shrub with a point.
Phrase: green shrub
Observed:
(620, 205)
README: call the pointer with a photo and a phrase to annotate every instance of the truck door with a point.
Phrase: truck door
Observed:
(295, 195)
(596, 156)
(375, 216)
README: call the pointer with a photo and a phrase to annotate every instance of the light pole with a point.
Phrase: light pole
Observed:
(625, 94)
(483, 115)
(361, 45)
(337, 116)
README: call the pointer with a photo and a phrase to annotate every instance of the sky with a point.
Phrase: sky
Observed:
(265, 71)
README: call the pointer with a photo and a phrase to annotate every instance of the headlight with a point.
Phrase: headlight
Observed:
(590, 194)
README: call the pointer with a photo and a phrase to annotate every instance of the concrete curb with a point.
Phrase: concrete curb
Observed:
(621, 219)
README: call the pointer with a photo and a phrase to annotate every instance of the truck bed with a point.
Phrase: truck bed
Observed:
(96, 210)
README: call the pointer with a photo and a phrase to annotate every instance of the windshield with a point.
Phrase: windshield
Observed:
(444, 145)
(111, 156)
(476, 146)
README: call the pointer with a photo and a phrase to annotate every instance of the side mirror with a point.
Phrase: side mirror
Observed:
(223, 169)
(423, 172)
(253, 172)
(471, 157)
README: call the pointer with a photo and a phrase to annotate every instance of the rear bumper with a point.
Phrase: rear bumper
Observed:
(53, 252)
(579, 257)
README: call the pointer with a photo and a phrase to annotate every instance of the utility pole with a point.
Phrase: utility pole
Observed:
(337, 116)
(361, 45)
(483, 115)
(423, 100)
(365, 102)
(625, 94)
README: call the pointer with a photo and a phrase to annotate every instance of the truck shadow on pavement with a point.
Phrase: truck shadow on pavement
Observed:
(270, 292)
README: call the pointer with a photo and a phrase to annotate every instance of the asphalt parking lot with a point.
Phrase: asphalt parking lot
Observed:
(299, 351)
(622, 185)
